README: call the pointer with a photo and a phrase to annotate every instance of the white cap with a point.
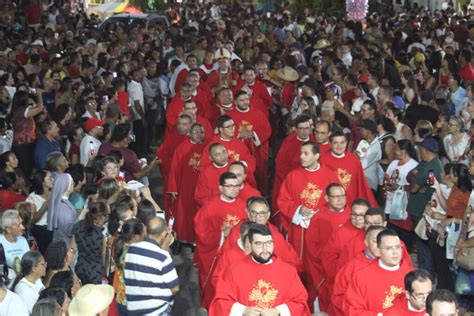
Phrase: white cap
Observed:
(222, 53)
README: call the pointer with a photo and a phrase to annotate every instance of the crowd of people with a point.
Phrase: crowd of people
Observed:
(312, 164)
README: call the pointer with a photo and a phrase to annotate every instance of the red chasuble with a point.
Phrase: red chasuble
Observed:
(264, 285)
(357, 244)
(237, 152)
(182, 180)
(283, 249)
(334, 247)
(343, 278)
(207, 185)
(216, 79)
(208, 224)
(208, 130)
(259, 90)
(318, 234)
(302, 187)
(325, 149)
(373, 289)
(166, 150)
(287, 159)
(351, 175)
(175, 107)
(400, 308)
(254, 120)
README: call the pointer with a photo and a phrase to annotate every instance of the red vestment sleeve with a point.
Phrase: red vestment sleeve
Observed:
(354, 302)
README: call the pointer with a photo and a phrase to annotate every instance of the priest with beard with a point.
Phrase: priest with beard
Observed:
(214, 221)
(260, 284)
(207, 185)
(182, 182)
(374, 289)
(348, 168)
(359, 261)
(223, 75)
(258, 88)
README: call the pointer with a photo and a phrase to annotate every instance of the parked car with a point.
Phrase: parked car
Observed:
(128, 20)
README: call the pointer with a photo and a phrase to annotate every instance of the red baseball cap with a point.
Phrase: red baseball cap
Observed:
(92, 123)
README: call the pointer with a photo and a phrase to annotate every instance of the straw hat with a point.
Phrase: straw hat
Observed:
(288, 74)
(91, 299)
(321, 44)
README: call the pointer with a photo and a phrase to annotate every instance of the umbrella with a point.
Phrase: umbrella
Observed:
(268, 6)
(126, 7)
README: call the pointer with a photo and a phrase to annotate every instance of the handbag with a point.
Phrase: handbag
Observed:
(398, 209)
(463, 284)
(465, 256)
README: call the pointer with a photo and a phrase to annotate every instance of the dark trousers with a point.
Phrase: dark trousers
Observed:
(43, 237)
(24, 153)
(141, 138)
(444, 276)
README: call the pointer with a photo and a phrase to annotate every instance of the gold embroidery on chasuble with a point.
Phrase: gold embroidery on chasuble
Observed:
(194, 161)
(390, 296)
(230, 220)
(311, 195)
(232, 154)
(263, 294)
(344, 177)
(245, 125)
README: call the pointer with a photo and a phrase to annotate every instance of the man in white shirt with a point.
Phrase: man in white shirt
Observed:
(14, 244)
(137, 104)
(370, 155)
(90, 143)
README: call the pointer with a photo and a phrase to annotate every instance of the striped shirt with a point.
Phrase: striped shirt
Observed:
(149, 277)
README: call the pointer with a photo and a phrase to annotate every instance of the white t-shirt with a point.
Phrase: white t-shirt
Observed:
(14, 251)
(85, 148)
(38, 201)
(29, 292)
(135, 91)
(12, 304)
(401, 180)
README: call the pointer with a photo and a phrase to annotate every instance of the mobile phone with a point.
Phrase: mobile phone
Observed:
(114, 74)
(170, 224)
(431, 177)
(32, 90)
(56, 35)
(122, 174)
(105, 99)
(300, 92)
(269, 15)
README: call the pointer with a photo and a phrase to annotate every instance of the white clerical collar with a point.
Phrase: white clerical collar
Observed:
(338, 156)
(225, 140)
(224, 199)
(313, 170)
(413, 308)
(224, 72)
(191, 141)
(220, 167)
(386, 267)
(194, 93)
(242, 111)
(269, 261)
(239, 243)
(227, 106)
(303, 140)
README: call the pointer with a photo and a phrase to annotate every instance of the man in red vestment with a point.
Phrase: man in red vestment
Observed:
(329, 219)
(374, 288)
(240, 170)
(234, 252)
(213, 222)
(182, 182)
(191, 63)
(348, 168)
(200, 92)
(418, 285)
(258, 211)
(301, 194)
(254, 130)
(190, 108)
(223, 75)
(341, 236)
(255, 101)
(322, 130)
(373, 216)
(207, 185)
(287, 159)
(222, 104)
(258, 88)
(175, 107)
(236, 149)
(344, 275)
(260, 284)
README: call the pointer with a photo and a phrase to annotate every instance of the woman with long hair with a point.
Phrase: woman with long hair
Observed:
(9, 163)
(28, 283)
(41, 186)
(59, 256)
(61, 213)
(91, 244)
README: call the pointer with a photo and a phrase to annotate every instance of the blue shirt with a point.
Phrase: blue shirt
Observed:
(42, 149)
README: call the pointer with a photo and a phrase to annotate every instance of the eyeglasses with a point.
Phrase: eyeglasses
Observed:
(373, 223)
(260, 244)
(230, 126)
(356, 215)
(420, 296)
(258, 214)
